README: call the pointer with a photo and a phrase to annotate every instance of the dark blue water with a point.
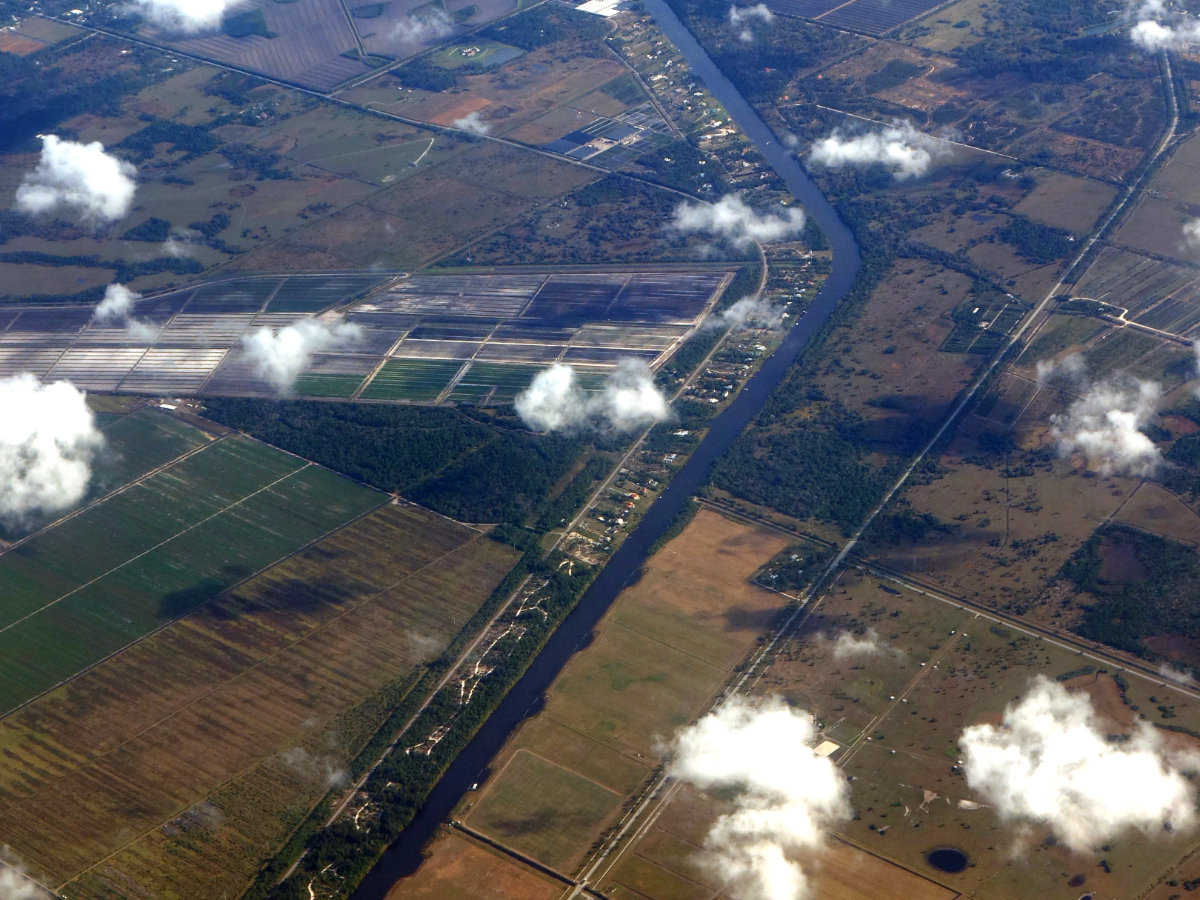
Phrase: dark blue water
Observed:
(404, 856)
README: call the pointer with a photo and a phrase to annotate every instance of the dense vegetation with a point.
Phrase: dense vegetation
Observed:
(1038, 244)
(437, 457)
(810, 466)
(191, 139)
(1148, 588)
(545, 25)
(763, 73)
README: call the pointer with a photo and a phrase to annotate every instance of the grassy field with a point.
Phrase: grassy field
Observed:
(120, 569)
(458, 867)
(518, 817)
(1063, 201)
(230, 723)
(660, 655)
(508, 97)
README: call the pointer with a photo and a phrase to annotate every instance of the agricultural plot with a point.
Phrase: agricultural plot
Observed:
(141, 441)
(1136, 282)
(415, 334)
(510, 97)
(229, 724)
(411, 379)
(307, 42)
(95, 582)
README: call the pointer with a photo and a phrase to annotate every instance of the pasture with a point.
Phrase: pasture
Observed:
(228, 724)
(93, 583)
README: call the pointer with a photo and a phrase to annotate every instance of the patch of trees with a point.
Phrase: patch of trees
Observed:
(36, 105)
(546, 25)
(437, 457)
(126, 269)
(262, 162)
(154, 230)
(680, 165)
(906, 526)
(233, 87)
(1155, 599)
(558, 512)
(425, 75)
(191, 139)
(1036, 243)
(809, 466)
(779, 51)
(212, 227)
(894, 74)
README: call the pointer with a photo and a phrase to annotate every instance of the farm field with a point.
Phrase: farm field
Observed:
(659, 657)
(135, 442)
(458, 867)
(415, 333)
(93, 583)
(508, 97)
(230, 723)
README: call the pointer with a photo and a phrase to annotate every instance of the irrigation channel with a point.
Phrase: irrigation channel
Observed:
(404, 856)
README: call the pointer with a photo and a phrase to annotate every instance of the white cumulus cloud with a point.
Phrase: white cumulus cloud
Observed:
(855, 646)
(473, 123)
(1104, 425)
(1157, 28)
(279, 356)
(80, 179)
(732, 219)
(743, 16)
(48, 439)
(188, 16)
(901, 148)
(14, 885)
(426, 24)
(787, 796)
(629, 399)
(749, 312)
(1191, 232)
(117, 309)
(1070, 368)
(1050, 762)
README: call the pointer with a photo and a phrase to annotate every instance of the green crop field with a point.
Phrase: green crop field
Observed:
(83, 589)
(507, 380)
(143, 441)
(325, 385)
(411, 379)
(134, 444)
